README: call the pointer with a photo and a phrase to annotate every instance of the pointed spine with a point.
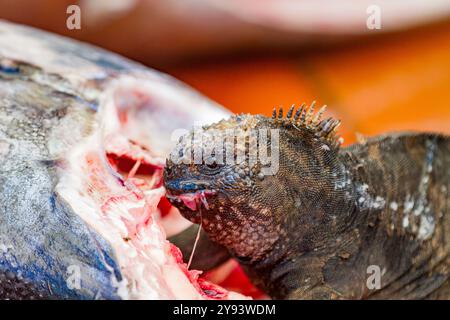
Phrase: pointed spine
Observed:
(289, 114)
(298, 112)
(319, 115)
(305, 117)
(280, 114)
(310, 112)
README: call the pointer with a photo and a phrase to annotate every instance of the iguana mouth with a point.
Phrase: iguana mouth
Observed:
(193, 200)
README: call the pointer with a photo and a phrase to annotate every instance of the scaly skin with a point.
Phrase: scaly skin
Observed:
(313, 229)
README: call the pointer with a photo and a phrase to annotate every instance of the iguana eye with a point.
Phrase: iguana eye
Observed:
(213, 165)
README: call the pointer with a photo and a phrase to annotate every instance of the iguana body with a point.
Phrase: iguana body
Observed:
(315, 228)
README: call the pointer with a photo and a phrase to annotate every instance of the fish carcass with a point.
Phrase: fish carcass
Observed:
(83, 138)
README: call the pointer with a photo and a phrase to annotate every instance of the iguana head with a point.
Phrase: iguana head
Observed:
(245, 178)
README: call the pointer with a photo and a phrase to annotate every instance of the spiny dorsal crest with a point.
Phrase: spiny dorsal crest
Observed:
(305, 117)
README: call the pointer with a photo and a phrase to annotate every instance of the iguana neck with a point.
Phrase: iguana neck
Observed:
(314, 225)
(361, 224)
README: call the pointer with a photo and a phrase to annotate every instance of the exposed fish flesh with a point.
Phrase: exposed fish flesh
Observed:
(83, 138)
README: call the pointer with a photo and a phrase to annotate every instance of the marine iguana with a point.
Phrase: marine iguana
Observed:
(315, 227)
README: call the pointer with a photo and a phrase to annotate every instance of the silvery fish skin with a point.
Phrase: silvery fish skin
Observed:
(71, 225)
